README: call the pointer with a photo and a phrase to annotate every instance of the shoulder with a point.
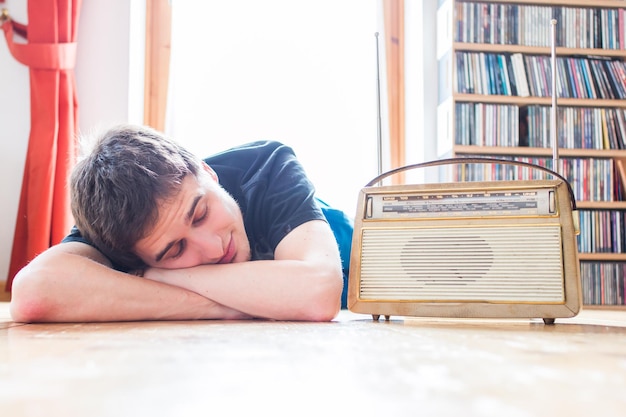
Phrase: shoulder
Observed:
(251, 151)
(253, 162)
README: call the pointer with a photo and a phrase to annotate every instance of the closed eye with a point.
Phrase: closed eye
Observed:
(200, 219)
(194, 217)
(182, 244)
(180, 248)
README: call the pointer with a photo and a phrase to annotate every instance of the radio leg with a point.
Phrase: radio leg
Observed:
(387, 317)
(375, 317)
(548, 321)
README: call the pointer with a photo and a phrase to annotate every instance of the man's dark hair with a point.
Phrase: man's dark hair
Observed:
(117, 187)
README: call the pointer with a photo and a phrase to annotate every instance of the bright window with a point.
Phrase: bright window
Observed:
(300, 72)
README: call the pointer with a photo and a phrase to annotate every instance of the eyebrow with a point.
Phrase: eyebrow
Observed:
(188, 219)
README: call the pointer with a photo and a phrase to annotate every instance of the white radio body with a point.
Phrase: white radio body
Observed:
(496, 249)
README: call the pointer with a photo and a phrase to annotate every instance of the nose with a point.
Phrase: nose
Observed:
(208, 248)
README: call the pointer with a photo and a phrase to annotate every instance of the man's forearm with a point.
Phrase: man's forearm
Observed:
(69, 287)
(282, 290)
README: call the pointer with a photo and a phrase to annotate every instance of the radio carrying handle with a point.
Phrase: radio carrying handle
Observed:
(454, 161)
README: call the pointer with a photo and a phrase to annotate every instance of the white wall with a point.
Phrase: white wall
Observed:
(14, 129)
(108, 92)
(109, 71)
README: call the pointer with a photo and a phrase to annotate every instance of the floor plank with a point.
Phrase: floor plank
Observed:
(352, 366)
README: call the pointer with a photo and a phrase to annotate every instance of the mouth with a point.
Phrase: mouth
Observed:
(229, 254)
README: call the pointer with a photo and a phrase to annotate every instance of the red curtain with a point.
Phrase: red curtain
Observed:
(44, 216)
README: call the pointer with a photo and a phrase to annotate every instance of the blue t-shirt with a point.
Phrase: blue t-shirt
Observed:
(272, 189)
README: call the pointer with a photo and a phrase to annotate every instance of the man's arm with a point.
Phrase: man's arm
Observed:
(304, 282)
(73, 282)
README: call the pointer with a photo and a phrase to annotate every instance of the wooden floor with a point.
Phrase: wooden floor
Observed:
(350, 367)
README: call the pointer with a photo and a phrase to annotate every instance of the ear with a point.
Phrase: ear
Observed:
(210, 171)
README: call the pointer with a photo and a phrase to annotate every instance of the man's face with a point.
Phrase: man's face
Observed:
(200, 225)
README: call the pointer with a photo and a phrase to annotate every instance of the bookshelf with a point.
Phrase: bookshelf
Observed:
(494, 99)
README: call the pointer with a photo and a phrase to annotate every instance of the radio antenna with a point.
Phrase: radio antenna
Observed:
(553, 126)
(379, 131)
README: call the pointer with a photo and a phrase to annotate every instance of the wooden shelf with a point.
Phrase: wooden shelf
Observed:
(604, 307)
(542, 101)
(573, 3)
(537, 50)
(603, 256)
(601, 205)
(547, 152)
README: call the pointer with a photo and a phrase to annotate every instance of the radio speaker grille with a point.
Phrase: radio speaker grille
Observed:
(491, 264)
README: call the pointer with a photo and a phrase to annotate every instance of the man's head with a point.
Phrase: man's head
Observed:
(117, 188)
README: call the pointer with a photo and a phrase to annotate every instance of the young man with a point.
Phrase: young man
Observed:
(161, 234)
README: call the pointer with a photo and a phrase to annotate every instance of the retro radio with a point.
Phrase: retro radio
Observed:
(499, 249)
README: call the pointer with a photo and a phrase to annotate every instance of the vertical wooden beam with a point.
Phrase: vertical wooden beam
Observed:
(158, 46)
(394, 44)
